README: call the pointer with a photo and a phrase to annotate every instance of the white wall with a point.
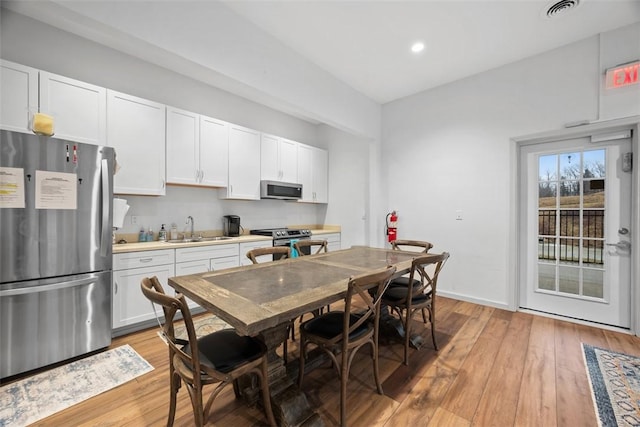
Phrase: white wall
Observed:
(348, 184)
(449, 149)
(35, 44)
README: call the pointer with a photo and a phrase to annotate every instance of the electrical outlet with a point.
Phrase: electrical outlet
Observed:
(134, 219)
(458, 215)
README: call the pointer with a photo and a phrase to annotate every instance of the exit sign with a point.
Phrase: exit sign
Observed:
(623, 75)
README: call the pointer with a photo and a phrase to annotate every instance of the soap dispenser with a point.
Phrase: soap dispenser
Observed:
(142, 237)
(162, 234)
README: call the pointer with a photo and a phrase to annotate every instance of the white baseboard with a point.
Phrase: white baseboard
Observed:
(480, 301)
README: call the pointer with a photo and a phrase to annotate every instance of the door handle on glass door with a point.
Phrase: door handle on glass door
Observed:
(623, 244)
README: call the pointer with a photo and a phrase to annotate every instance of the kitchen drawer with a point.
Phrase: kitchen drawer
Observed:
(333, 240)
(206, 252)
(143, 259)
(222, 263)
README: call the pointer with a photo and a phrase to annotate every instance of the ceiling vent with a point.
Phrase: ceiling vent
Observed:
(561, 8)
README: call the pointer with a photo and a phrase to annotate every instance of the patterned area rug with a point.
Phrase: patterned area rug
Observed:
(615, 385)
(34, 398)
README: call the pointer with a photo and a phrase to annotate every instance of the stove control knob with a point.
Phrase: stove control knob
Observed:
(278, 233)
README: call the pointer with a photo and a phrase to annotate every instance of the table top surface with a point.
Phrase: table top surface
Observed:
(257, 297)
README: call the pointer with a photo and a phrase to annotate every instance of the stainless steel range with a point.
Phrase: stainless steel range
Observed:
(284, 236)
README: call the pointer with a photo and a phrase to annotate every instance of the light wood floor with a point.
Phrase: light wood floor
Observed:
(494, 367)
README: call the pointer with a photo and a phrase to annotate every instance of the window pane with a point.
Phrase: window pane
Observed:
(547, 168)
(547, 249)
(569, 280)
(570, 223)
(594, 164)
(570, 194)
(593, 283)
(547, 222)
(547, 194)
(593, 223)
(569, 251)
(570, 166)
(593, 193)
(547, 277)
(592, 253)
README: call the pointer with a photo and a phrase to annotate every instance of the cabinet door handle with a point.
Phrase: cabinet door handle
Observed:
(201, 175)
(116, 289)
(145, 260)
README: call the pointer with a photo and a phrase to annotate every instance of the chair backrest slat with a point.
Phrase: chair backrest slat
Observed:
(283, 251)
(369, 287)
(419, 272)
(399, 245)
(300, 244)
(153, 290)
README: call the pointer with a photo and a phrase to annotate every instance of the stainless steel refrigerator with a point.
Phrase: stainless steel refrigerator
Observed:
(55, 250)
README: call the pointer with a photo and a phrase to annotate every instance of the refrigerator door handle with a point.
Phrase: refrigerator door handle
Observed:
(105, 237)
(51, 287)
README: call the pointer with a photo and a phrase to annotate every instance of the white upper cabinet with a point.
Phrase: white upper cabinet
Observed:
(244, 163)
(183, 163)
(313, 173)
(78, 109)
(214, 152)
(197, 149)
(136, 129)
(18, 96)
(278, 159)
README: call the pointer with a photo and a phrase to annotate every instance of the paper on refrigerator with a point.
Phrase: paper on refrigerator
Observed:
(11, 187)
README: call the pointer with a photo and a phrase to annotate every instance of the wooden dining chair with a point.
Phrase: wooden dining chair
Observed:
(405, 300)
(345, 332)
(220, 357)
(281, 251)
(301, 244)
(419, 246)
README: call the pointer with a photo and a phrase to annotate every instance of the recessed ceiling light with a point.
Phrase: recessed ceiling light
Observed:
(417, 47)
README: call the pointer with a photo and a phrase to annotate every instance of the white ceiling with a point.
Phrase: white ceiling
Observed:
(365, 44)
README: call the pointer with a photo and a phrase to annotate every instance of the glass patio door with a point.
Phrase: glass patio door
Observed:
(575, 237)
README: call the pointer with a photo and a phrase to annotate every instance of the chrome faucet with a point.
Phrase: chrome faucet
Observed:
(190, 221)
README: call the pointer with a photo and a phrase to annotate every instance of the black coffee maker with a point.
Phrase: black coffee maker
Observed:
(231, 225)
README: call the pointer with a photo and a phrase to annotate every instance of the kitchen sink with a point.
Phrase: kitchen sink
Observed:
(213, 239)
(200, 239)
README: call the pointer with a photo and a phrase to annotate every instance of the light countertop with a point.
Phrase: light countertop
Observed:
(157, 245)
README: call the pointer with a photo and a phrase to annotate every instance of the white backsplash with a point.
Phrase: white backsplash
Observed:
(207, 211)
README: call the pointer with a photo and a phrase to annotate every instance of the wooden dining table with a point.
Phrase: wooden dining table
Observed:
(262, 299)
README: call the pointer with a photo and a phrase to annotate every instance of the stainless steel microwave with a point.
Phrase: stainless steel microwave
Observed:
(280, 190)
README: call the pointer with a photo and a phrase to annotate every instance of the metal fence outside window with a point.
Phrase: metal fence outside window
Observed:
(567, 240)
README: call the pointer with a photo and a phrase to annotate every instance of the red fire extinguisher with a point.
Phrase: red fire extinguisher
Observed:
(392, 226)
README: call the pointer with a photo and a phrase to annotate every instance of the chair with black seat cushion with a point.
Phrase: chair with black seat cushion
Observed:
(418, 246)
(345, 332)
(220, 357)
(405, 300)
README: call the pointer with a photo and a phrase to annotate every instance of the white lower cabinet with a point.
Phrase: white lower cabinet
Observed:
(205, 258)
(130, 306)
(333, 241)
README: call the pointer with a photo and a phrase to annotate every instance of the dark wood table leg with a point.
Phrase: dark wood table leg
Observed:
(392, 328)
(290, 405)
